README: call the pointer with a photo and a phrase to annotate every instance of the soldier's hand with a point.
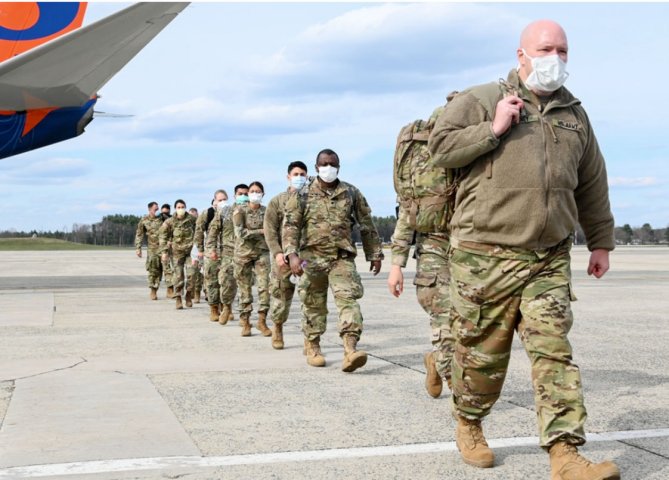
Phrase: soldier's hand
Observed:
(200, 255)
(164, 257)
(295, 264)
(139, 253)
(507, 113)
(396, 281)
(375, 267)
(280, 260)
(599, 262)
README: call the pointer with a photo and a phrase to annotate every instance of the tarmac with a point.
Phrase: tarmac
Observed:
(99, 382)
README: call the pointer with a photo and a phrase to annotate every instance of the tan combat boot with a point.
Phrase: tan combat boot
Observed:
(472, 444)
(353, 359)
(196, 297)
(305, 347)
(213, 312)
(262, 325)
(246, 324)
(433, 382)
(189, 300)
(277, 336)
(154, 294)
(179, 304)
(231, 316)
(568, 464)
(313, 351)
(225, 314)
(170, 292)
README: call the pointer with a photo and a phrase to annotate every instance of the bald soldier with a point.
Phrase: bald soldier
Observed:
(534, 171)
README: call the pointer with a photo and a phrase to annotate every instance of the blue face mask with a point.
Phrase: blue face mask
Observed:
(298, 181)
(242, 199)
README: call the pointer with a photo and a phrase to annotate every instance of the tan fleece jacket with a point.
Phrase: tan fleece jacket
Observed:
(531, 187)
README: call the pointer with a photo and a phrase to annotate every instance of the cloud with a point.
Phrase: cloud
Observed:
(44, 171)
(633, 182)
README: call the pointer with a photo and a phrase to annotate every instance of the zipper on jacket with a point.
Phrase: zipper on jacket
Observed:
(546, 173)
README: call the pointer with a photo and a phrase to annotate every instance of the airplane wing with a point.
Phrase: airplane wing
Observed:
(67, 71)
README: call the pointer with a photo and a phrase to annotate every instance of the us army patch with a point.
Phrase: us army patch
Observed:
(566, 125)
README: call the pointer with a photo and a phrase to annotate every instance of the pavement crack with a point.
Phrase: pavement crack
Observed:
(630, 444)
(83, 360)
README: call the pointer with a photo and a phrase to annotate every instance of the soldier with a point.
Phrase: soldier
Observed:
(220, 244)
(177, 232)
(317, 240)
(149, 226)
(168, 268)
(194, 268)
(280, 287)
(432, 282)
(211, 266)
(252, 255)
(534, 170)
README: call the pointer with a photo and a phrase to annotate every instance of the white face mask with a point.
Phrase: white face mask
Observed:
(298, 181)
(328, 173)
(255, 197)
(222, 204)
(548, 73)
(181, 212)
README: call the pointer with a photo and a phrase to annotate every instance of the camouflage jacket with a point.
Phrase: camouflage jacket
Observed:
(177, 233)
(320, 221)
(149, 225)
(221, 235)
(403, 236)
(249, 237)
(274, 221)
(531, 187)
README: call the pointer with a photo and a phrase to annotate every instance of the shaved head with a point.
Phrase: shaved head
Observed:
(539, 39)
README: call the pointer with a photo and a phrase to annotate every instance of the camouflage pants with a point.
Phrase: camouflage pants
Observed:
(168, 271)
(154, 268)
(244, 269)
(194, 276)
(343, 279)
(226, 278)
(432, 283)
(498, 291)
(179, 278)
(281, 290)
(211, 268)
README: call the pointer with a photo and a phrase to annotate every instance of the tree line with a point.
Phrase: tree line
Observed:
(119, 230)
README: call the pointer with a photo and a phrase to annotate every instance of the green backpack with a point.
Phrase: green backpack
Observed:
(426, 193)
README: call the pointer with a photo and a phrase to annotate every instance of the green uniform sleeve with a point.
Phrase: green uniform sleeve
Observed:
(139, 234)
(272, 226)
(199, 231)
(462, 134)
(165, 235)
(401, 240)
(371, 243)
(292, 224)
(214, 235)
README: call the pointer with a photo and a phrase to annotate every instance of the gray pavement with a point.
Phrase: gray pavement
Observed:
(98, 382)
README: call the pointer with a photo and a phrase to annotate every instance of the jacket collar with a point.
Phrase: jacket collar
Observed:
(560, 98)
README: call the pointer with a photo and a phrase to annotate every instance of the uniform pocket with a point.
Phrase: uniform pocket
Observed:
(423, 279)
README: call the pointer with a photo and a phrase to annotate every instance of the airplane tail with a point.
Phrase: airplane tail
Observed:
(25, 25)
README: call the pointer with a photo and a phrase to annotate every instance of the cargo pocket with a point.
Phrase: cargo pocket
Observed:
(426, 283)
(466, 319)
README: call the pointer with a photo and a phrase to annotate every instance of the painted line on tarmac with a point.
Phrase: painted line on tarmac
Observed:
(161, 463)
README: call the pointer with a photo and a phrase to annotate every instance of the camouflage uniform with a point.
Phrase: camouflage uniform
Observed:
(149, 225)
(432, 282)
(178, 232)
(520, 198)
(211, 267)
(251, 255)
(318, 227)
(194, 272)
(281, 289)
(221, 239)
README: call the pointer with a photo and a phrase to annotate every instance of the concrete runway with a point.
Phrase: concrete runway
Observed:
(99, 382)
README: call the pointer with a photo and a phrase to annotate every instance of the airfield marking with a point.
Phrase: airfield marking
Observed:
(109, 466)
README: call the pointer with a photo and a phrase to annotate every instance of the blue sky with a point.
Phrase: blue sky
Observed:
(232, 93)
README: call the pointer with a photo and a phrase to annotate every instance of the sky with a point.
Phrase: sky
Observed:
(230, 93)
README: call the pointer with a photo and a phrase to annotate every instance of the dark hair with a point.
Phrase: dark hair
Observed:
(151, 204)
(258, 184)
(212, 201)
(241, 185)
(297, 164)
(179, 201)
(327, 151)
(167, 206)
(193, 209)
